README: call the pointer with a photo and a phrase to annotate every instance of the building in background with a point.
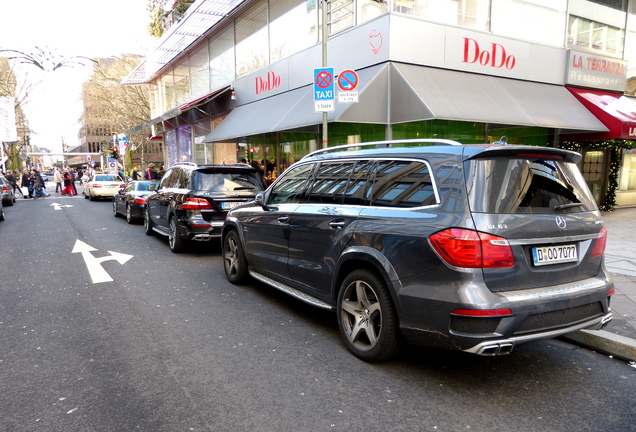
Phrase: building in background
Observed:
(236, 79)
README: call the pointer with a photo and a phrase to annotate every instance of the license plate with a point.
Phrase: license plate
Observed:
(229, 205)
(554, 254)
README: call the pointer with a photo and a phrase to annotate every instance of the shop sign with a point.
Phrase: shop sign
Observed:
(270, 82)
(492, 55)
(597, 72)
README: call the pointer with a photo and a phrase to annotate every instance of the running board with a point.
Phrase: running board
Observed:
(292, 291)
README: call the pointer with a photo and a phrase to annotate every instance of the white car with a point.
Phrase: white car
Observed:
(103, 185)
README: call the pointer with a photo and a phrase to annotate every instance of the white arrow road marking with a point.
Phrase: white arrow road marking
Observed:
(57, 206)
(95, 269)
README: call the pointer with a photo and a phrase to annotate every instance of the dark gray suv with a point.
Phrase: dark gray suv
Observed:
(469, 247)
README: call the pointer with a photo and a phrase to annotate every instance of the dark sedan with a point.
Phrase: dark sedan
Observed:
(130, 200)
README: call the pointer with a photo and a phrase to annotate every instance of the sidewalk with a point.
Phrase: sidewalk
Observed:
(619, 337)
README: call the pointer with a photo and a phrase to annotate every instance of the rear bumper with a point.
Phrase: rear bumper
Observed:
(539, 313)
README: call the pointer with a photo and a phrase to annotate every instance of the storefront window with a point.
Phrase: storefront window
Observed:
(597, 25)
(184, 144)
(202, 151)
(170, 138)
(464, 132)
(593, 169)
(630, 50)
(291, 17)
(540, 21)
(467, 13)
(251, 39)
(627, 173)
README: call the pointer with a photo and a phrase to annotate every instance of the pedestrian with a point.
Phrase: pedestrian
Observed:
(57, 178)
(73, 180)
(79, 176)
(161, 172)
(151, 172)
(16, 185)
(135, 173)
(68, 183)
(25, 182)
(39, 188)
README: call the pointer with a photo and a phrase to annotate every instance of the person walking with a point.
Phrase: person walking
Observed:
(39, 188)
(26, 181)
(68, 183)
(151, 172)
(135, 173)
(16, 185)
(57, 178)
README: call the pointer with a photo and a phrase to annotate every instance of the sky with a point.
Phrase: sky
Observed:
(90, 28)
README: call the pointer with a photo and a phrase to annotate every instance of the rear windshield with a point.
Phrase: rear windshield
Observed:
(228, 181)
(106, 177)
(520, 185)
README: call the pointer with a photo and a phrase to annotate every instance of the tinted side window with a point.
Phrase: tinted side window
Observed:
(358, 182)
(402, 184)
(330, 182)
(290, 187)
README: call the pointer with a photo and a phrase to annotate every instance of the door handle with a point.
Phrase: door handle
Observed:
(337, 224)
(283, 219)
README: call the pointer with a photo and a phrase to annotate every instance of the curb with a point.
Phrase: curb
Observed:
(603, 341)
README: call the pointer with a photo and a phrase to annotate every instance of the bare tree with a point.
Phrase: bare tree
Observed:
(109, 103)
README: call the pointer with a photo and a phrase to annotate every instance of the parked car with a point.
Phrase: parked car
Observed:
(130, 200)
(103, 186)
(7, 191)
(468, 247)
(1, 211)
(192, 200)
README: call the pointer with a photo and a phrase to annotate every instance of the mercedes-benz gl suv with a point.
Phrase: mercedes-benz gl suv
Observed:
(469, 247)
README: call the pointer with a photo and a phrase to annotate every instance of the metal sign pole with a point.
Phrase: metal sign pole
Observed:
(325, 136)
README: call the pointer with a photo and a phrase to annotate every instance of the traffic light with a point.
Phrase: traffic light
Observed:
(114, 153)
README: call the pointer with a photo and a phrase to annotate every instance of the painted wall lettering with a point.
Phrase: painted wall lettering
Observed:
(496, 57)
(270, 82)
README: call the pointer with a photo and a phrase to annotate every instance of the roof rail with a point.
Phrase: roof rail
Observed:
(186, 163)
(384, 144)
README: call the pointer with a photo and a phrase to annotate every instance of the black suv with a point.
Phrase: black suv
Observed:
(468, 247)
(191, 200)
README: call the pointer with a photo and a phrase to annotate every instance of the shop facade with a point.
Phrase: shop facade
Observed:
(459, 72)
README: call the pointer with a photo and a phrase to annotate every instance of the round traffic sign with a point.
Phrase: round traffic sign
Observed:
(324, 79)
(348, 80)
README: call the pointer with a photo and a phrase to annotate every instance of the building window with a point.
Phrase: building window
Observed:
(291, 17)
(543, 20)
(597, 25)
(340, 15)
(467, 13)
(252, 47)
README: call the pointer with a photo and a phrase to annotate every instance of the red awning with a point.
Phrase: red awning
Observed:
(615, 111)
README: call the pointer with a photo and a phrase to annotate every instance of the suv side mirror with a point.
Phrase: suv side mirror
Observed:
(260, 199)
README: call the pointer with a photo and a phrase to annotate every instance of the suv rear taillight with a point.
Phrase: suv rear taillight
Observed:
(601, 241)
(195, 204)
(472, 249)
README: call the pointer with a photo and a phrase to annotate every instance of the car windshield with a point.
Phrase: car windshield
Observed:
(519, 185)
(106, 177)
(228, 181)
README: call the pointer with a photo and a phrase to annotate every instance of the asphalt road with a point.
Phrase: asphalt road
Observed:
(169, 345)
